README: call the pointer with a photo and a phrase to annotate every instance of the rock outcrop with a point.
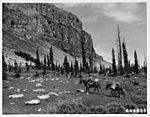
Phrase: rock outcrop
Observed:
(29, 26)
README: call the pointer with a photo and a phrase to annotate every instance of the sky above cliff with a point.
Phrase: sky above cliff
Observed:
(101, 19)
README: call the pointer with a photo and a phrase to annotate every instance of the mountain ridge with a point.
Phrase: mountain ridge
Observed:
(27, 27)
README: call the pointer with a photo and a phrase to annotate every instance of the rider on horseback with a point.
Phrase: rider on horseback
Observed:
(90, 80)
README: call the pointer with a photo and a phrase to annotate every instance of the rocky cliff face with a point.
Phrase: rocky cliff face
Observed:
(27, 27)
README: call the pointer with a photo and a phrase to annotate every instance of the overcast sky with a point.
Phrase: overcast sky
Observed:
(101, 19)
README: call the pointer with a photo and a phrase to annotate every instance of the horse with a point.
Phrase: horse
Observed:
(89, 85)
(116, 86)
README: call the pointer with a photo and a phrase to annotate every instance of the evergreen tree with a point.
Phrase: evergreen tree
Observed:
(51, 59)
(27, 66)
(87, 68)
(91, 62)
(4, 68)
(44, 67)
(38, 63)
(125, 56)
(61, 70)
(120, 68)
(56, 67)
(16, 66)
(100, 69)
(48, 62)
(71, 69)
(20, 65)
(83, 51)
(76, 67)
(145, 66)
(114, 69)
(81, 68)
(104, 70)
(66, 65)
(136, 66)
(9, 67)
(95, 70)
(129, 66)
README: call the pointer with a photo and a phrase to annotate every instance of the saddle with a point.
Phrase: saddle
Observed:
(90, 81)
(115, 85)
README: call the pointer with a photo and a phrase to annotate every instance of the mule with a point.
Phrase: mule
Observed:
(115, 87)
(95, 85)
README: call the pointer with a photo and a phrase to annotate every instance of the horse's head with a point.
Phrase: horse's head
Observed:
(108, 85)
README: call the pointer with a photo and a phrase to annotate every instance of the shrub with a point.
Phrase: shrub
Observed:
(115, 108)
(91, 110)
(83, 109)
(36, 74)
(4, 76)
(97, 110)
(17, 75)
(68, 108)
(101, 110)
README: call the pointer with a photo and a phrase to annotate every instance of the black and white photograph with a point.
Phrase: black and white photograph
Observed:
(74, 58)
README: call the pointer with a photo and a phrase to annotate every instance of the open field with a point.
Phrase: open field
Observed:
(62, 89)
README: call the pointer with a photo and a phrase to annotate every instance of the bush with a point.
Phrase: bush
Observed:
(97, 110)
(36, 74)
(101, 110)
(115, 108)
(17, 75)
(4, 76)
(68, 108)
(83, 109)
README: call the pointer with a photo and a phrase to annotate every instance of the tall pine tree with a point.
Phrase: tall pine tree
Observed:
(66, 65)
(76, 67)
(48, 62)
(125, 56)
(51, 59)
(91, 62)
(16, 66)
(4, 68)
(136, 66)
(114, 69)
(44, 66)
(38, 63)
(83, 51)
(120, 68)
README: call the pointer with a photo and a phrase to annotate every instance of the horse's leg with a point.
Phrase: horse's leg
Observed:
(87, 92)
(98, 89)
(119, 93)
(94, 88)
(112, 92)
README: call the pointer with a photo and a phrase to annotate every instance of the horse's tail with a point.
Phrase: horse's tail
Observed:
(122, 91)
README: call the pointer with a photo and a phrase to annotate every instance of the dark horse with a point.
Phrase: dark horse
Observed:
(115, 87)
(89, 85)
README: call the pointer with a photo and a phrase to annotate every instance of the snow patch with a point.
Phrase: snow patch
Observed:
(38, 85)
(21, 77)
(16, 96)
(33, 102)
(43, 96)
(39, 90)
(53, 93)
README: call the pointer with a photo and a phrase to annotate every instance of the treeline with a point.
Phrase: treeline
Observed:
(127, 67)
(26, 56)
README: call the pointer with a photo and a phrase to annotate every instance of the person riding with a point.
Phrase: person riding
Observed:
(115, 85)
(90, 80)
